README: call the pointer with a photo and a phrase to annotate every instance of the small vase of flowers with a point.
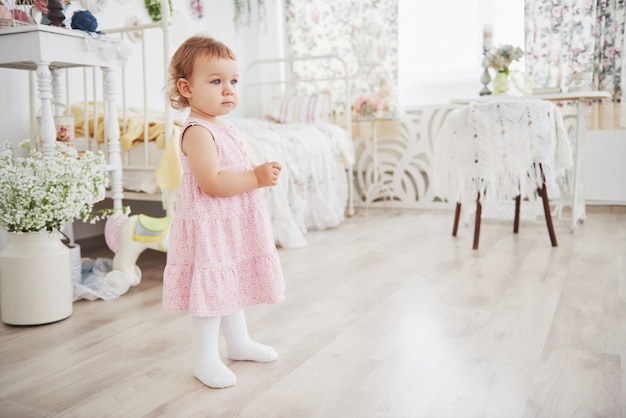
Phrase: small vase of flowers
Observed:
(500, 59)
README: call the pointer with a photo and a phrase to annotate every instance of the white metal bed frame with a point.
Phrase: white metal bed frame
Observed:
(284, 82)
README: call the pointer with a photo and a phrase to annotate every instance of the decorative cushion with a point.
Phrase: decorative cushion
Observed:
(300, 109)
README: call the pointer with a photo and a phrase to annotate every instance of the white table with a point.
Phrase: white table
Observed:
(582, 98)
(46, 49)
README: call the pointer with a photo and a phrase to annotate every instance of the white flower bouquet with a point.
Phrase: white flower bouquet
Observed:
(38, 194)
(501, 58)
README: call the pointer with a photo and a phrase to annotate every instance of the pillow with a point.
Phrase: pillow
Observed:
(300, 109)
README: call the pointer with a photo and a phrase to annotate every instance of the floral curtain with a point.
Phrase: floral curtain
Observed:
(574, 44)
(363, 32)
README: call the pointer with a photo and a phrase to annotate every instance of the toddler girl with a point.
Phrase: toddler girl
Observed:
(221, 256)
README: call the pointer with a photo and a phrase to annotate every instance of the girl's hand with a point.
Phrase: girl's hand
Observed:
(267, 173)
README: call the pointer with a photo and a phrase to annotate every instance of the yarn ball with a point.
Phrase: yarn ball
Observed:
(85, 21)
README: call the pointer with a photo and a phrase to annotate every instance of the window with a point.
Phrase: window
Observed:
(440, 46)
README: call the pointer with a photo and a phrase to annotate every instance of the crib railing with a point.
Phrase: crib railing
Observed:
(138, 93)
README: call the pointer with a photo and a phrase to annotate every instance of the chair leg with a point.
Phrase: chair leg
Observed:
(477, 222)
(457, 215)
(543, 191)
(518, 200)
(546, 210)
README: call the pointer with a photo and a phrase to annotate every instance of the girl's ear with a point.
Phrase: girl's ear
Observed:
(183, 87)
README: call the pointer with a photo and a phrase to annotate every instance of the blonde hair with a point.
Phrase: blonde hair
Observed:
(181, 64)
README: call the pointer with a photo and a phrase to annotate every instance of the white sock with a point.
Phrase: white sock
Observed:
(207, 365)
(239, 344)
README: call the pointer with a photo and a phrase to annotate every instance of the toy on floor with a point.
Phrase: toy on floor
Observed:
(128, 236)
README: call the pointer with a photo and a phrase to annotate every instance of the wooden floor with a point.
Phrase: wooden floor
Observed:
(385, 316)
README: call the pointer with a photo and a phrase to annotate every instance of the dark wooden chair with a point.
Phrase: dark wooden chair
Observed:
(501, 149)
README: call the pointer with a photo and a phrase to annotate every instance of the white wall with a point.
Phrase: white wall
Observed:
(605, 167)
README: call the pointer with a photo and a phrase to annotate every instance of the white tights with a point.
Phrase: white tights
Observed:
(208, 367)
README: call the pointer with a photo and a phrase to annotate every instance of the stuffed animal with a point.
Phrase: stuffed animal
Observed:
(129, 236)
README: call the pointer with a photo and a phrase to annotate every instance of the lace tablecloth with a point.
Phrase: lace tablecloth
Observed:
(493, 148)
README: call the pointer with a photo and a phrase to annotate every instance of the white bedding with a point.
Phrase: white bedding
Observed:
(312, 192)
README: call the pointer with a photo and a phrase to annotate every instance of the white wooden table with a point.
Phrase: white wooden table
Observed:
(46, 49)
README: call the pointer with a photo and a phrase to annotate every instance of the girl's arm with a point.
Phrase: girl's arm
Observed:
(199, 146)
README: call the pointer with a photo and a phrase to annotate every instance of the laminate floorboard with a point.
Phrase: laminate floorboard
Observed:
(386, 315)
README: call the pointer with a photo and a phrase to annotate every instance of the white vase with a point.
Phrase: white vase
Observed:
(35, 279)
(75, 264)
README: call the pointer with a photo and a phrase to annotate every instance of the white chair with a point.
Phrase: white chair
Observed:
(498, 150)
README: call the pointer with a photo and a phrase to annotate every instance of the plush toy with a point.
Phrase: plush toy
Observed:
(129, 236)
(85, 21)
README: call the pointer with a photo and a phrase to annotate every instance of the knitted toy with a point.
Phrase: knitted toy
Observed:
(85, 21)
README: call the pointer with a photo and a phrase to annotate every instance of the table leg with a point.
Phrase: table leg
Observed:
(578, 192)
(33, 109)
(377, 183)
(112, 132)
(58, 92)
(350, 174)
(47, 131)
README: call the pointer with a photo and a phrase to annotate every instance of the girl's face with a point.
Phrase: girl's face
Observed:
(212, 88)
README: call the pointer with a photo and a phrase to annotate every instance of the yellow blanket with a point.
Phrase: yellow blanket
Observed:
(131, 130)
(168, 171)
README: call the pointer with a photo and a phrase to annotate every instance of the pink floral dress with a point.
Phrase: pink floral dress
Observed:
(221, 256)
